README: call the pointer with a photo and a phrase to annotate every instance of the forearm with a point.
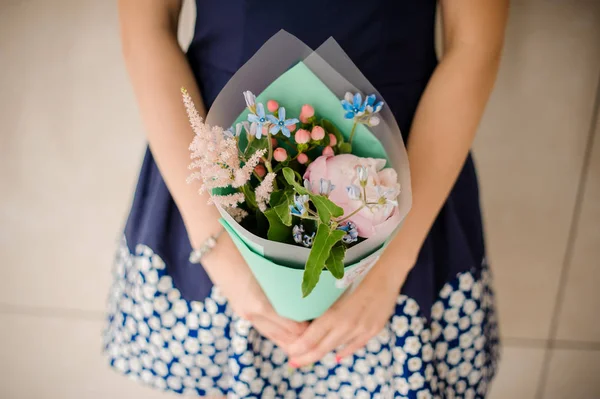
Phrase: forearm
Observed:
(158, 69)
(442, 133)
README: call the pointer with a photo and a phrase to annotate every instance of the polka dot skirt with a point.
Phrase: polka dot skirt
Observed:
(204, 349)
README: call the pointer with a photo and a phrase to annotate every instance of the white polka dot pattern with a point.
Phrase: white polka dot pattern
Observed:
(203, 349)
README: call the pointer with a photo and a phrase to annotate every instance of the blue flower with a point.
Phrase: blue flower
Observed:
(308, 240)
(299, 208)
(259, 118)
(281, 124)
(370, 105)
(351, 232)
(297, 233)
(353, 105)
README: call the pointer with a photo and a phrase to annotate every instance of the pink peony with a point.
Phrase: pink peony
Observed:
(302, 158)
(272, 105)
(307, 112)
(317, 133)
(280, 154)
(341, 171)
(302, 136)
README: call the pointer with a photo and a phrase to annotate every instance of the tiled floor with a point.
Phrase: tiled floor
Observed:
(71, 143)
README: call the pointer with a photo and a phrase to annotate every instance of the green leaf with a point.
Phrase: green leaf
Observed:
(290, 177)
(335, 262)
(325, 208)
(282, 206)
(255, 145)
(324, 240)
(276, 197)
(277, 230)
(249, 195)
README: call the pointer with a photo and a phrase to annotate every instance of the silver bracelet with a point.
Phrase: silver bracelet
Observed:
(207, 246)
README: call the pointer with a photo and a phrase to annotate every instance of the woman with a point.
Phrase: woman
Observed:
(422, 322)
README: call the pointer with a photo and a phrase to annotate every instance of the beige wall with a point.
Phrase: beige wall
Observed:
(71, 144)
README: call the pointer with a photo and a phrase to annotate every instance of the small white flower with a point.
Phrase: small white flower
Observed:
(168, 319)
(457, 298)
(424, 394)
(451, 315)
(427, 353)
(437, 310)
(465, 368)
(454, 356)
(446, 291)
(477, 316)
(401, 385)
(400, 325)
(416, 325)
(452, 377)
(412, 345)
(160, 368)
(440, 350)
(414, 364)
(165, 284)
(180, 331)
(464, 323)
(466, 340)
(178, 370)
(450, 332)
(176, 348)
(416, 381)
(161, 304)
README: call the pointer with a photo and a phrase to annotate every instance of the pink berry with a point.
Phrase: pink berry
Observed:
(302, 158)
(307, 112)
(332, 139)
(260, 170)
(272, 105)
(291, 128)
(302, 136)
(328, 152)
(318, 133)
(280, 154)
(274, 142)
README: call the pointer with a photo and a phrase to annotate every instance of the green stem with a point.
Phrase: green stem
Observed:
(352, 132)
(352, 214)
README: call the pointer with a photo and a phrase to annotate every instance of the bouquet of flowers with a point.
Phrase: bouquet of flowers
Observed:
(308, 192)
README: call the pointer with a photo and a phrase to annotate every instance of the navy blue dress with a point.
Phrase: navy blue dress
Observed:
(168, 325)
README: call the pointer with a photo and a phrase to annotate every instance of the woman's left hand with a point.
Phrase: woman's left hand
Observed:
(355, 318)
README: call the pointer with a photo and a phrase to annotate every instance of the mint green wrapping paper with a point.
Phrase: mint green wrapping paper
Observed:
(295, 79)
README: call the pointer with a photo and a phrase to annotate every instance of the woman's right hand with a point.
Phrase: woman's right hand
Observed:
(230, 273)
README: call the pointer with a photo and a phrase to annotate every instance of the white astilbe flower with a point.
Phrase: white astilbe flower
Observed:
(216, 159)
(238, 214)
(227, 201)
(264, 190)
(243, 174)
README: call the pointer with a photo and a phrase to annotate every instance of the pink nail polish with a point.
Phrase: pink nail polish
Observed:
(338, 359)
(293, 364)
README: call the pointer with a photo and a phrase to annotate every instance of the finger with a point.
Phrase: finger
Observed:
(353, 345)
(336, 337)
(273, 332)
(293, 327)
(312, 336)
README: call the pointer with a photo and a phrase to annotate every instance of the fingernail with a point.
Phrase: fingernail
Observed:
(293, 364)
(338, 359)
